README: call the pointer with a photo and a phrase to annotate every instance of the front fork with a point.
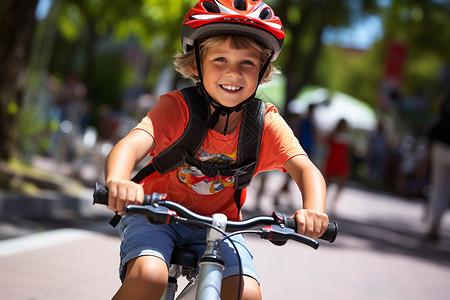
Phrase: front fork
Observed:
(212, 264)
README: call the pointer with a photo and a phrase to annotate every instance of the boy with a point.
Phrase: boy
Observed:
(228, 46)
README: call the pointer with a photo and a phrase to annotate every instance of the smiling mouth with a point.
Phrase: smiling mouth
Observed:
(230, 88)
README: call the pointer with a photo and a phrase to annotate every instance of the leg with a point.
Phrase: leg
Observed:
(340, 183)
(284, 189)
(440, 189)
(144, 255)
(250, 279)
(250, 288)
(342, 179)
(261, 189)
(146, 279)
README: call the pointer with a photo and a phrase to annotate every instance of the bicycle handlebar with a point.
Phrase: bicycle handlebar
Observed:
(158, 210)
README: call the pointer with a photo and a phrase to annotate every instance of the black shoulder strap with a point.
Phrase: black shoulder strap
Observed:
(248, 146)
(249, 142)
(187, 145)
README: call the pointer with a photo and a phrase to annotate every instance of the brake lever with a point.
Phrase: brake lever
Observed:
(279, 235)
(154, 214)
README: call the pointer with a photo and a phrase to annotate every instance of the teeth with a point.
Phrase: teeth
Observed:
(231, 87)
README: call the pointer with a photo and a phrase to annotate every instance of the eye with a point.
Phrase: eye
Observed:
(248, 62)
(222, 59)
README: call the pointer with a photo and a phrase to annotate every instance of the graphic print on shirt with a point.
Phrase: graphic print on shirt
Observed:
(202, 184)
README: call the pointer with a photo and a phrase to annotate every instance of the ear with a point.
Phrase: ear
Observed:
(266, 75)
(194, 70)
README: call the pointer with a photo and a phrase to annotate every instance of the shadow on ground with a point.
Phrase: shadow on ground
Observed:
(384, 237)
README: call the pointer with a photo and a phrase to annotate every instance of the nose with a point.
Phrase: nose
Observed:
(234, 70)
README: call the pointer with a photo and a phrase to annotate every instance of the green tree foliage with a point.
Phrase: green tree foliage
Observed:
(117, 44)
(352, 71)
(423, 27)
(92, 35)
(154, 23)
(304, 22)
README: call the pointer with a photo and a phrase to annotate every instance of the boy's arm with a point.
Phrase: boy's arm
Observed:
(311, 220)
(120, 163)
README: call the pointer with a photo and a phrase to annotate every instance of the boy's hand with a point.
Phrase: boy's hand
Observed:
(123, 193)
(310, 223)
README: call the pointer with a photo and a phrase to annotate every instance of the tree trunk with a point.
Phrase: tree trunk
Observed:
(89, 63)
(295, 83)
(17, 23)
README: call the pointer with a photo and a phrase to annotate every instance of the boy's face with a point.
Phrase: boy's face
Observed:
(230, 75)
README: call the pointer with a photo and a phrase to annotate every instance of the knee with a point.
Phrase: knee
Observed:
(147, 273)
(250, 288)
(251, 291)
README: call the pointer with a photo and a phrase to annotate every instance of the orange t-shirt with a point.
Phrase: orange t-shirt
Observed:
(166, 121)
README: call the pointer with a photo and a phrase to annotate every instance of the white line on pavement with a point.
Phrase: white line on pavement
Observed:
(41, 240)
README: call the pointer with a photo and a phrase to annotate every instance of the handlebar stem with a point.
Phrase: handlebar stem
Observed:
(211, 264)
(218, 221)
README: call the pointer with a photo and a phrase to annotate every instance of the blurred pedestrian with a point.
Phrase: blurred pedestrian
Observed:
(72, 101)
(376, 154)
(73, 107)
(293, 121)
(337, 165)
(306, 131)
(439, 136)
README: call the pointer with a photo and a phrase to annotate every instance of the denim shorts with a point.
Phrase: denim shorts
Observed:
(141, 238)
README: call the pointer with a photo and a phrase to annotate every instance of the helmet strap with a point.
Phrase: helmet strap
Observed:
(197, 60)
(264, 68)
(219, 109)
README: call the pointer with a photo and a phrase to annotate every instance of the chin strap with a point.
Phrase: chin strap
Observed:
(219, 109)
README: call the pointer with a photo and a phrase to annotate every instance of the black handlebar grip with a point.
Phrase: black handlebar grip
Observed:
(101, 196)
(291, 223)
(329, 235)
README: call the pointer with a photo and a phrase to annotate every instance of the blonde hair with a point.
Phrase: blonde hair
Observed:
(183, 61)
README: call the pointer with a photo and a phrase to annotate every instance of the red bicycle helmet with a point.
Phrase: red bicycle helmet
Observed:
(251, 18)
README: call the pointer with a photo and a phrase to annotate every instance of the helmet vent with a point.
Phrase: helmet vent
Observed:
(211, 7)
(240, 4)
(265, 14)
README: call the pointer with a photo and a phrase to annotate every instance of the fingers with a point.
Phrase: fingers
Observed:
(311, 223)
(123, 193)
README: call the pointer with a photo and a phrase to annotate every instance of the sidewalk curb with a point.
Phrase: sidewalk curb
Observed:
(46, 204)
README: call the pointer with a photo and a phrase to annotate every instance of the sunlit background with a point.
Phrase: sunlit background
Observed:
(77, 75)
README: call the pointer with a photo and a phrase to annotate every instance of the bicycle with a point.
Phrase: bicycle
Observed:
(206, 283)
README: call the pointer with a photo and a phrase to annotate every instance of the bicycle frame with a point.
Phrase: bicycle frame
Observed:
(207, 284)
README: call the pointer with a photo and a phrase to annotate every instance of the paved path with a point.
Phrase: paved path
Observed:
(379, 254)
